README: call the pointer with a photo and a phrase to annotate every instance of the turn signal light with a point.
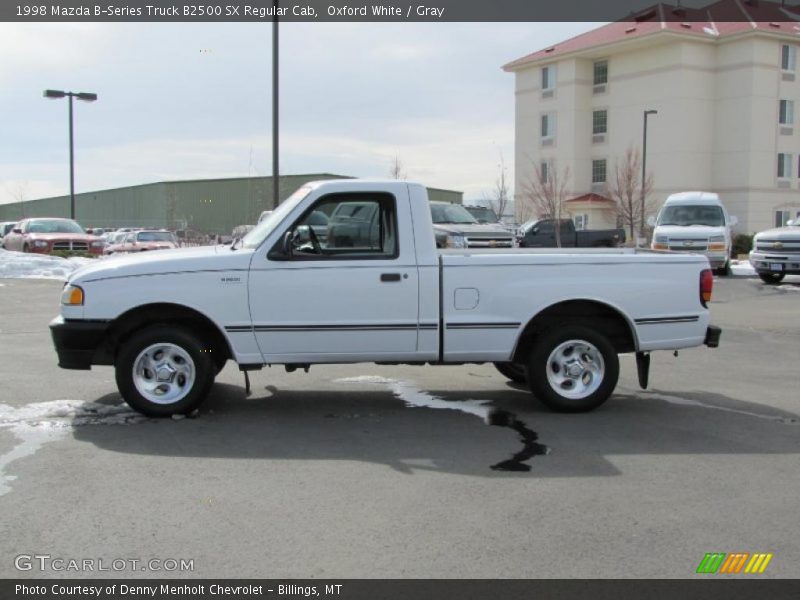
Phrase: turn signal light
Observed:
(706, 286)
(72, 296)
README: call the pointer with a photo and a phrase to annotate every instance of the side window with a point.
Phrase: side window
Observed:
(347, 226)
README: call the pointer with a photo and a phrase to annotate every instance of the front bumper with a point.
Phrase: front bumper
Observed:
(79, 344)
(775, 263)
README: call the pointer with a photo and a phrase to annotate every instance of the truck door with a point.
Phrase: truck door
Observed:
(347, 293)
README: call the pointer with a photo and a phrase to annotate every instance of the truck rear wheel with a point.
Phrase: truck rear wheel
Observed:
(514, 371)
(573, 369)
(164, 370)
(771, 278)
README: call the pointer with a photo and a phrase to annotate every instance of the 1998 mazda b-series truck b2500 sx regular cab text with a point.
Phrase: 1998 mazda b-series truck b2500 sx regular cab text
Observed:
(375, 288)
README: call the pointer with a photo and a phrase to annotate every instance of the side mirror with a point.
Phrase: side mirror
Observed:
(286, 243)
(651, 221)
(734, 220)
(302, 235)
(16, 230)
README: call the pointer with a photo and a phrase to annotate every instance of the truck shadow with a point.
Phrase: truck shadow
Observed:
(377, 426)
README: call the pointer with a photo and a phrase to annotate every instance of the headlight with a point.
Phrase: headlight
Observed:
(72, 295)
(98, 244)
(456, 241)
(40, 243)
(715, 239)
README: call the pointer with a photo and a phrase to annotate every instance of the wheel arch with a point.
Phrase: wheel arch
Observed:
(134, 319)
(607, 319)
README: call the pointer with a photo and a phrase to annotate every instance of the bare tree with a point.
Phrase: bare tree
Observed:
(629, 193)
(397, 171)
(499, 199)
(19, 191)
(544, 192)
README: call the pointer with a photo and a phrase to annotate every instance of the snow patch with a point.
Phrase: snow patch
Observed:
(23, 265)
(416, 398)
(788, 288)
(37, 424)
(742, 268)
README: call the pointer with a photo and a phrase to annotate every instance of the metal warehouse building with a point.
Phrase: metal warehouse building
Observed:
(203, 205)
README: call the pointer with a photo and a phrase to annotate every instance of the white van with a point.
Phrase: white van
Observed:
(695, 222)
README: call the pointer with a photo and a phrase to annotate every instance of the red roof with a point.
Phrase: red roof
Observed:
(718, 19)
(591, 198)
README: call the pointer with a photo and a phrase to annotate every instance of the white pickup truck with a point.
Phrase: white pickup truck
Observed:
(377, 290)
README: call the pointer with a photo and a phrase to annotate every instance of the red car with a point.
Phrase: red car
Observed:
(45, 236)
(139, 241)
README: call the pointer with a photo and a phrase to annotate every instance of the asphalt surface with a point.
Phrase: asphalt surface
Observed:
(312, 476)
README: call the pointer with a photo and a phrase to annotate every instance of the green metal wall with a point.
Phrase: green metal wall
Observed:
(206, 206)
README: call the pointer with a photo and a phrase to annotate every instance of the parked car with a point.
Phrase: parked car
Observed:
(554, 320)
(45, 236)
(455, 227)
(695, 222)
(5, 227)
(541, 233)
(776, 252)
(141, 241)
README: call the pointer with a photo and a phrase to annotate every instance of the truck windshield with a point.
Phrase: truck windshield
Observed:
(451, 213)
(264, 228)
(686, 215)
(482, 214)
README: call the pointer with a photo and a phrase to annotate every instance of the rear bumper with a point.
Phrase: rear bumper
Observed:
(79, 344)
(713, 334)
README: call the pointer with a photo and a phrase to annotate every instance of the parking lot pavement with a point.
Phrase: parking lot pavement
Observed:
(368, 471)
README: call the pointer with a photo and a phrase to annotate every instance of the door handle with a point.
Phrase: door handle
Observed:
(385, 277)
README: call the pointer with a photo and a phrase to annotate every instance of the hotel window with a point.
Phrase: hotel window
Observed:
(786, 112)
(581, 222)
(600, 72)
(599, 171)
(781, 217)
(784, 165)
(788, 57)
(599, 122)
(544, 171)
(548, 125)
(549, 77)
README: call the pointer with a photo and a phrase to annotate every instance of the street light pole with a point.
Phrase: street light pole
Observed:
(86, 97)
(275, 145)
(644, 169)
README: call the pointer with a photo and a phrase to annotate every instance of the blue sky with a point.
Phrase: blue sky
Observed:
(189, 100)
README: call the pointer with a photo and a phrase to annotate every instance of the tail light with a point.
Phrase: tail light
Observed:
(706, 286)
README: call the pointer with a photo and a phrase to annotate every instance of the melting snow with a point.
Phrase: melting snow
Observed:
(23, 265)
(34, 425)
(742, 268)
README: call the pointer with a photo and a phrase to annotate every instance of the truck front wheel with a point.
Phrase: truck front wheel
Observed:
(164, 370)
(514, 371)
(573, 369)
(771, 278)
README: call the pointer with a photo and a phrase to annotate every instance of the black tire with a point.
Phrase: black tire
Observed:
(771, 278)
(189, 394)
(723, 271)
(599, 375)
(513, 371)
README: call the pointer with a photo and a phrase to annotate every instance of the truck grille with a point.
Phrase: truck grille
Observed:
(688, 245)
(778, 246)
(490, 242)
(67, 245)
